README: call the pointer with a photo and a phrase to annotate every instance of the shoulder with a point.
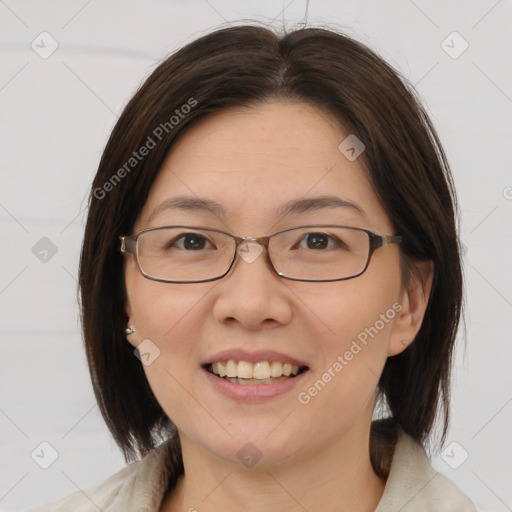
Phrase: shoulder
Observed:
(413, 485)
(138, 486)
(100, 497)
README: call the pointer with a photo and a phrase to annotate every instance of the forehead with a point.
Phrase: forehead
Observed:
(254, 160)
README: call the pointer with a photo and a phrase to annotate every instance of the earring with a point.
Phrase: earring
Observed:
(129, 330)
(404, 342)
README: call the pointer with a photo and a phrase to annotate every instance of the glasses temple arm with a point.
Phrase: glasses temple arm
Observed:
(127, 244)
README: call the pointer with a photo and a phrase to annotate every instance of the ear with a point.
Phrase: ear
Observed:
(414, 301)
(131, 338)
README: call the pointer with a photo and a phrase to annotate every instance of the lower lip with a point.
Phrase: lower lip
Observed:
(253, 392)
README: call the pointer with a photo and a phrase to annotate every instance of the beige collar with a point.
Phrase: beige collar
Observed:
(412, 486)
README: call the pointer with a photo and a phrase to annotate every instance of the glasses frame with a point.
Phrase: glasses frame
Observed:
(129, 245)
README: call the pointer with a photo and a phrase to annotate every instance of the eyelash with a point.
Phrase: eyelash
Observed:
(331, 239)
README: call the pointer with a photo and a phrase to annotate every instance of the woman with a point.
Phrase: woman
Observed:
(270, 262)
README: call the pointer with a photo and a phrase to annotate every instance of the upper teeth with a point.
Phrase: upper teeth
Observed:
(260, 370)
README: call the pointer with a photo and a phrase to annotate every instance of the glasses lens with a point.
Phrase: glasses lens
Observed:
(184, 254)
(320, 252)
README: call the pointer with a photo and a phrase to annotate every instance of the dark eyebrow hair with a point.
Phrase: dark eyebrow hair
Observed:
(189, 203)
(295, 206)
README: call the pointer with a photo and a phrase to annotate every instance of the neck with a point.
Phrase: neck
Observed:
(341, 476)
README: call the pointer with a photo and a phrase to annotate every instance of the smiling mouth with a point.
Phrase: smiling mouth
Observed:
(261, 372)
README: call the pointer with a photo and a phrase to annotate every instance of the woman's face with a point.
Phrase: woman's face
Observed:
(251, 162)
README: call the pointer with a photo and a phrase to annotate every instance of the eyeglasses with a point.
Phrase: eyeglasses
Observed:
(316, 253)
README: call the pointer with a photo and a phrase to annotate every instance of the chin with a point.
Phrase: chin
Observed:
(254, 448)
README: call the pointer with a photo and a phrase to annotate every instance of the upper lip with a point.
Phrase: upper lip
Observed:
(253, 357)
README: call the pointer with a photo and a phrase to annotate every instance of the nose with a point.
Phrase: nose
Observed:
(252, 294)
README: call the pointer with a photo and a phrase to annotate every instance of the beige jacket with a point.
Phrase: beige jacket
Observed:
(412, 486)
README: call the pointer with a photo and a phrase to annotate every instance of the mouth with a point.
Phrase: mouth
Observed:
(260, 372)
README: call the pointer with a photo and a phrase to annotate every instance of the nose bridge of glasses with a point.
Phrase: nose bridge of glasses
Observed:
(250, 248)
(242, 240)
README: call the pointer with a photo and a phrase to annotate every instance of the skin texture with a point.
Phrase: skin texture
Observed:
(252, 161)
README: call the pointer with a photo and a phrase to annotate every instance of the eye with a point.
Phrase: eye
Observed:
(319, 241)
(190, 242)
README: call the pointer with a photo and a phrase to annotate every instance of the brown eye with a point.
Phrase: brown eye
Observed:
(189, 242)
(321, 242)
(317, 241)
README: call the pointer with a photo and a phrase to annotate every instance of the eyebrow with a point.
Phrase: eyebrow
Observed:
(189, 203)
(298, 206)
(295, 206)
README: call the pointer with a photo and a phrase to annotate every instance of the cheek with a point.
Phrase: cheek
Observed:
(360, 309)
(163, 315)
(353, 325)
(170, 317)
(160, 310)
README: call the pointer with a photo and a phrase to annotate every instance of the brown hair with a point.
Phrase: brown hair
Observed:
(243, 66)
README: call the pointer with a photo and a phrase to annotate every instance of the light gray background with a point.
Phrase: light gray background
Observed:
(56, 114)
